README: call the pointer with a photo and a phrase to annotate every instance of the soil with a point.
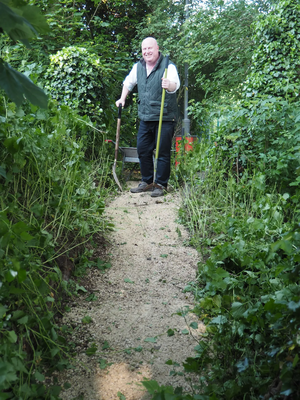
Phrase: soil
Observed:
(134, 305)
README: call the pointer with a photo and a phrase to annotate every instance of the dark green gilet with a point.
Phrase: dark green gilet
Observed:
(150, 91)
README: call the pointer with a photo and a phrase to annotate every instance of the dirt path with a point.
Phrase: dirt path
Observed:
(135, 305)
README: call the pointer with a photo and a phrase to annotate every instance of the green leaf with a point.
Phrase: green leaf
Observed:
(91, 350)
(17, 27)
(17, 85)
(105, 345)
(127, 280)
(67, 385)
(294, 306)
(219, 320)
(26, 236)
(3, 310)
(121, 396)
(151, 339)
(2, 172)
(86, 320)
(185, 332)
(170, 332)
(242, 365)
(20, 227)
(39, 377)
(194, 325)
(13, 144)
(191, 365)
(295, 361)
(91, 297)
(81, 288)
(10, 275)
(152, 386)
(103, 363)
(12, 337)
(238, 309)
(102, 265)
(23, 320)
(54, 351)
(22, 274)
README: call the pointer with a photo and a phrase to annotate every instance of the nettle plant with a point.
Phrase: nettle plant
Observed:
(76, 77)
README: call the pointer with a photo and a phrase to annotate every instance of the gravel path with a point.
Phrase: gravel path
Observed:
(135, 326)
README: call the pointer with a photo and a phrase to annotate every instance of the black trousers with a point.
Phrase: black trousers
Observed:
(146, 143)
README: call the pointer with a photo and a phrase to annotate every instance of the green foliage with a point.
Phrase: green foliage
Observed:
(241, 206)
(263, 134)
(51, 205)
(76, 77)
(218, 47)
(247, 291)
(275, 61)
(21, 22)
(107, 25)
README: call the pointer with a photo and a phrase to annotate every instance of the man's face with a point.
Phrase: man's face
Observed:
(150, 51)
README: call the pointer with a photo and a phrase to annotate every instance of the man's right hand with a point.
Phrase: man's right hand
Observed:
(120, 101)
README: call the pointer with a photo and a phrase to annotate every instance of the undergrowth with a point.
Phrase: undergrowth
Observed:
(247, 289)
(51, 207)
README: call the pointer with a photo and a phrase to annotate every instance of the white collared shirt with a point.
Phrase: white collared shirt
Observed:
(131, 79)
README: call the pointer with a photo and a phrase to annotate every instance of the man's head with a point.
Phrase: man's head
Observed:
(150, 51)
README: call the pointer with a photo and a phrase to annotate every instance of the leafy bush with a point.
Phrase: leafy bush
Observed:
(275, 61)
(247, 291)
(52, 204)
(78, 78)
(263, 134)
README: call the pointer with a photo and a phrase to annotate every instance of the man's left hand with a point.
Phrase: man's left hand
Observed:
(168, 85)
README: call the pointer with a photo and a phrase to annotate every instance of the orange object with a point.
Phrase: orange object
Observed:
(188, 145)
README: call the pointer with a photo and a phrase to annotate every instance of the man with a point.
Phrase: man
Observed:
(148, 74)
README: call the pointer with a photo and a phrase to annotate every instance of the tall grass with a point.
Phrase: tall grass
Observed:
(52, 204)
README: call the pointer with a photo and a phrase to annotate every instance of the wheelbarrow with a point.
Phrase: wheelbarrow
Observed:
(129, 154)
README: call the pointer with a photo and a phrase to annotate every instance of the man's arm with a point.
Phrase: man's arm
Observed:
(128, 84)
(123, 97)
